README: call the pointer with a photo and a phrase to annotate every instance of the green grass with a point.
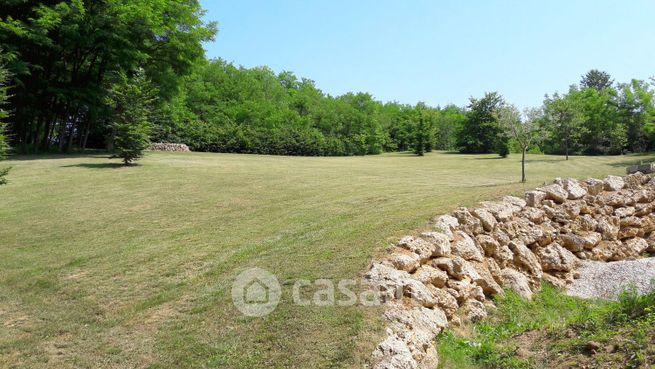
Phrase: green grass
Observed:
(114, 267)
(557, 328)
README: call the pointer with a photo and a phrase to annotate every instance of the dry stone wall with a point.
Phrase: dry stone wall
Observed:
(448, 274)
(169, 147)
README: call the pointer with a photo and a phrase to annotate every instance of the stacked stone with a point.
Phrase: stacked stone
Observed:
(449, 273)
(169, 147)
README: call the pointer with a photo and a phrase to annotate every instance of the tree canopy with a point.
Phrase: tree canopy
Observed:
(61, 52)
(63, 56)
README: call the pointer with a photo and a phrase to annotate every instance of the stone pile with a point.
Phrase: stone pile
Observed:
(446, 275)
(169, 147)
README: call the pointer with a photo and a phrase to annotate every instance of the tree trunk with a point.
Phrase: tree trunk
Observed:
(62, 134)
(566, 144)
(523, 180)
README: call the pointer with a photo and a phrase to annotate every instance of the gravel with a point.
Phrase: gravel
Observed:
(607, 280)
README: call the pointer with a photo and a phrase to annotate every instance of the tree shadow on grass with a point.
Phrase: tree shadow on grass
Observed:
(97, 165)
(642, 159)
(50, 156)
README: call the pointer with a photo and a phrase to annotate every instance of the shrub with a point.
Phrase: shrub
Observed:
(633, 305)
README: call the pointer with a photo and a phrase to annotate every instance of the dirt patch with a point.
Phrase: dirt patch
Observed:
(570, 349)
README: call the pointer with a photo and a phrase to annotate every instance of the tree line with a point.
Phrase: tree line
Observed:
(114, 74)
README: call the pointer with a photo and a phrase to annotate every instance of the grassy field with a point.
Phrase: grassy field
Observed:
(116, 267)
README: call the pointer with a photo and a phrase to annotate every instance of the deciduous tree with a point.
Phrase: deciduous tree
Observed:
(524, 131)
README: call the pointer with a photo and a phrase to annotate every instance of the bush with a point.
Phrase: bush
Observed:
(633, 305)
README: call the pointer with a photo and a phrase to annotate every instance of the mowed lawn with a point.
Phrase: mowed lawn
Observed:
(103, 266)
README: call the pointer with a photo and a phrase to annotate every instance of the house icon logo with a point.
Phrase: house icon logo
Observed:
(256, 292)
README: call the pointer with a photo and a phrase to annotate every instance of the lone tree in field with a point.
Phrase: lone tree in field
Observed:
(4, 146)
(524, 132)
(131, 100)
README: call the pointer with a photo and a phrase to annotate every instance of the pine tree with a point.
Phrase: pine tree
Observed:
(132, 100)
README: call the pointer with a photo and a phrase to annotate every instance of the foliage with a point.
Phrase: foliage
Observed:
(522, 132)
(62, 56)
(562, 122)
(62, 52)
(596, 79)
(633, 305)
(131, 101)
(481, 132)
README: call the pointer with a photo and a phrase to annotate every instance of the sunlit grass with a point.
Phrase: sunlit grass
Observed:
(110, 266)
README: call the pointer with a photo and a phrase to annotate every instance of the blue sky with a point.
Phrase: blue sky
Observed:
(435, 51)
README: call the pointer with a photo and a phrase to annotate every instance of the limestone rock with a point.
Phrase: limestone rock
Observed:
(494, 269)
(474, 310)
(606, 250)
(404, 260)
(443, 263)
(517, 282)
(502, 211)
(462, 269)
(574, 189)
(162, 146)
(579, 242)
(637, 246)
(631, 222)
(585, 223)
(427, 274)
(417, 327)
(467, 221)
(466, 290)
(651, 243)
(613, 183)
(534, 198)
(525, 259)
(555, 192)
(608, 227)
(393, 353)
(440, 241)
(594, 186)
(464, 246)
(424, 249)
(572, 209)
(556, 258)
(629, 232)
(488, 244)
(635, 180)
(420, 293)
(535, 215)
(445, 301)
(386, 280)
(504, 256)
(516, 201)
(485, 279)
(445, 224)
(487, 219)
(500, 236)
